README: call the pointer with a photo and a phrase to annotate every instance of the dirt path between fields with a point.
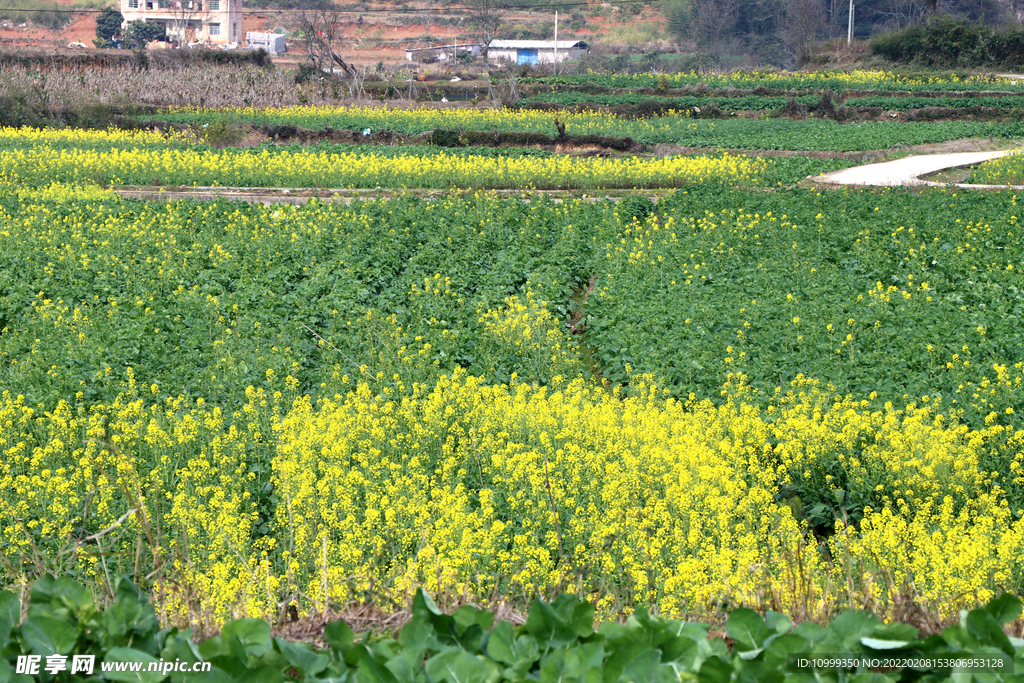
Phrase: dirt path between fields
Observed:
(911, 170)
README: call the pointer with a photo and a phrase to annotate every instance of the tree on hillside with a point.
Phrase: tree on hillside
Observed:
(108, 25)
(1015, 10)
(714, 21)
(678, 17)
(897, 14)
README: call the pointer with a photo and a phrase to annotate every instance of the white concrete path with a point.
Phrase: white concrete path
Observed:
(908, 171)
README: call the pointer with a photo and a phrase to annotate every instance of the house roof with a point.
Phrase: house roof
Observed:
(536, 45)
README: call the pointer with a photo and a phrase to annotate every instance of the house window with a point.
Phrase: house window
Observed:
(133, 4)
(214, 29)
(214, 5)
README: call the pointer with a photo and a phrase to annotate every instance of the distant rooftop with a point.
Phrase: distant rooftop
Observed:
(537, 44)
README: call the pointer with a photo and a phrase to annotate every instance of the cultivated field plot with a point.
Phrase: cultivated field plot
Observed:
(1004, 171)
(676, 127)
(837, 81)
(345, 167)
(748, 393)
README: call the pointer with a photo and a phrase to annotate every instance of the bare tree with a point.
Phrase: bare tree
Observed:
(802, 24)
(322, 32)
(426, 20)
(487, 18)
(897, 14)
(1011, 10)
(183, 14)
(714, 20)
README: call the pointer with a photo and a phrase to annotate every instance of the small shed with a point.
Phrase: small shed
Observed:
(273, 43)
(535, 51)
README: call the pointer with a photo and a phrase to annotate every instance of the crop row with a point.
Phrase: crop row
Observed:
(768, 103)
(476, 489)
(673, 128)
(88, 140)
(204, 299)
(80, 270)
(212, 85)
(837, 81)
(905, 103)
(740, 103)
(25, 137)
(912, 297)
(34, 157)
(896, 294)
(273, 168)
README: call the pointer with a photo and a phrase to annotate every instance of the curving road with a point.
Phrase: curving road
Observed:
(908, 171)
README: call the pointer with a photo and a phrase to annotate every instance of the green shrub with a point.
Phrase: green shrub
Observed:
(952, 42)
(557, 641)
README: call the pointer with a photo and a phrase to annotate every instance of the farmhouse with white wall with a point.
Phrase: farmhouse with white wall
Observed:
(535, 51)
(208, 21)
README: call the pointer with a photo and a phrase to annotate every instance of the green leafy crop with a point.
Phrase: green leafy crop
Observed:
(557, 642)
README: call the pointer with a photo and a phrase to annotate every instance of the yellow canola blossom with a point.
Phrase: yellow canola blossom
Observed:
(1005, 170)
(527, 331)
(324, 170)
(474, 488)
(74, 137)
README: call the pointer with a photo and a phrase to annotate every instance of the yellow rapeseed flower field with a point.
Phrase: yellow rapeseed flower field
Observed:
(525, 477)
(48, 162)
(473, 488)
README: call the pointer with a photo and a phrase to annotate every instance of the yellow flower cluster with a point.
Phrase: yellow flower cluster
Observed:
(1005, 170)
(472, 488)
(856, 78)
(164, 490)
(306, 168)
(525, 329)
(80, 137)
(915, 457)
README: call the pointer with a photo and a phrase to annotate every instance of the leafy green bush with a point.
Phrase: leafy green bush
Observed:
(557, 642)
(139, 33)
(952, 42)
(108, 24)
